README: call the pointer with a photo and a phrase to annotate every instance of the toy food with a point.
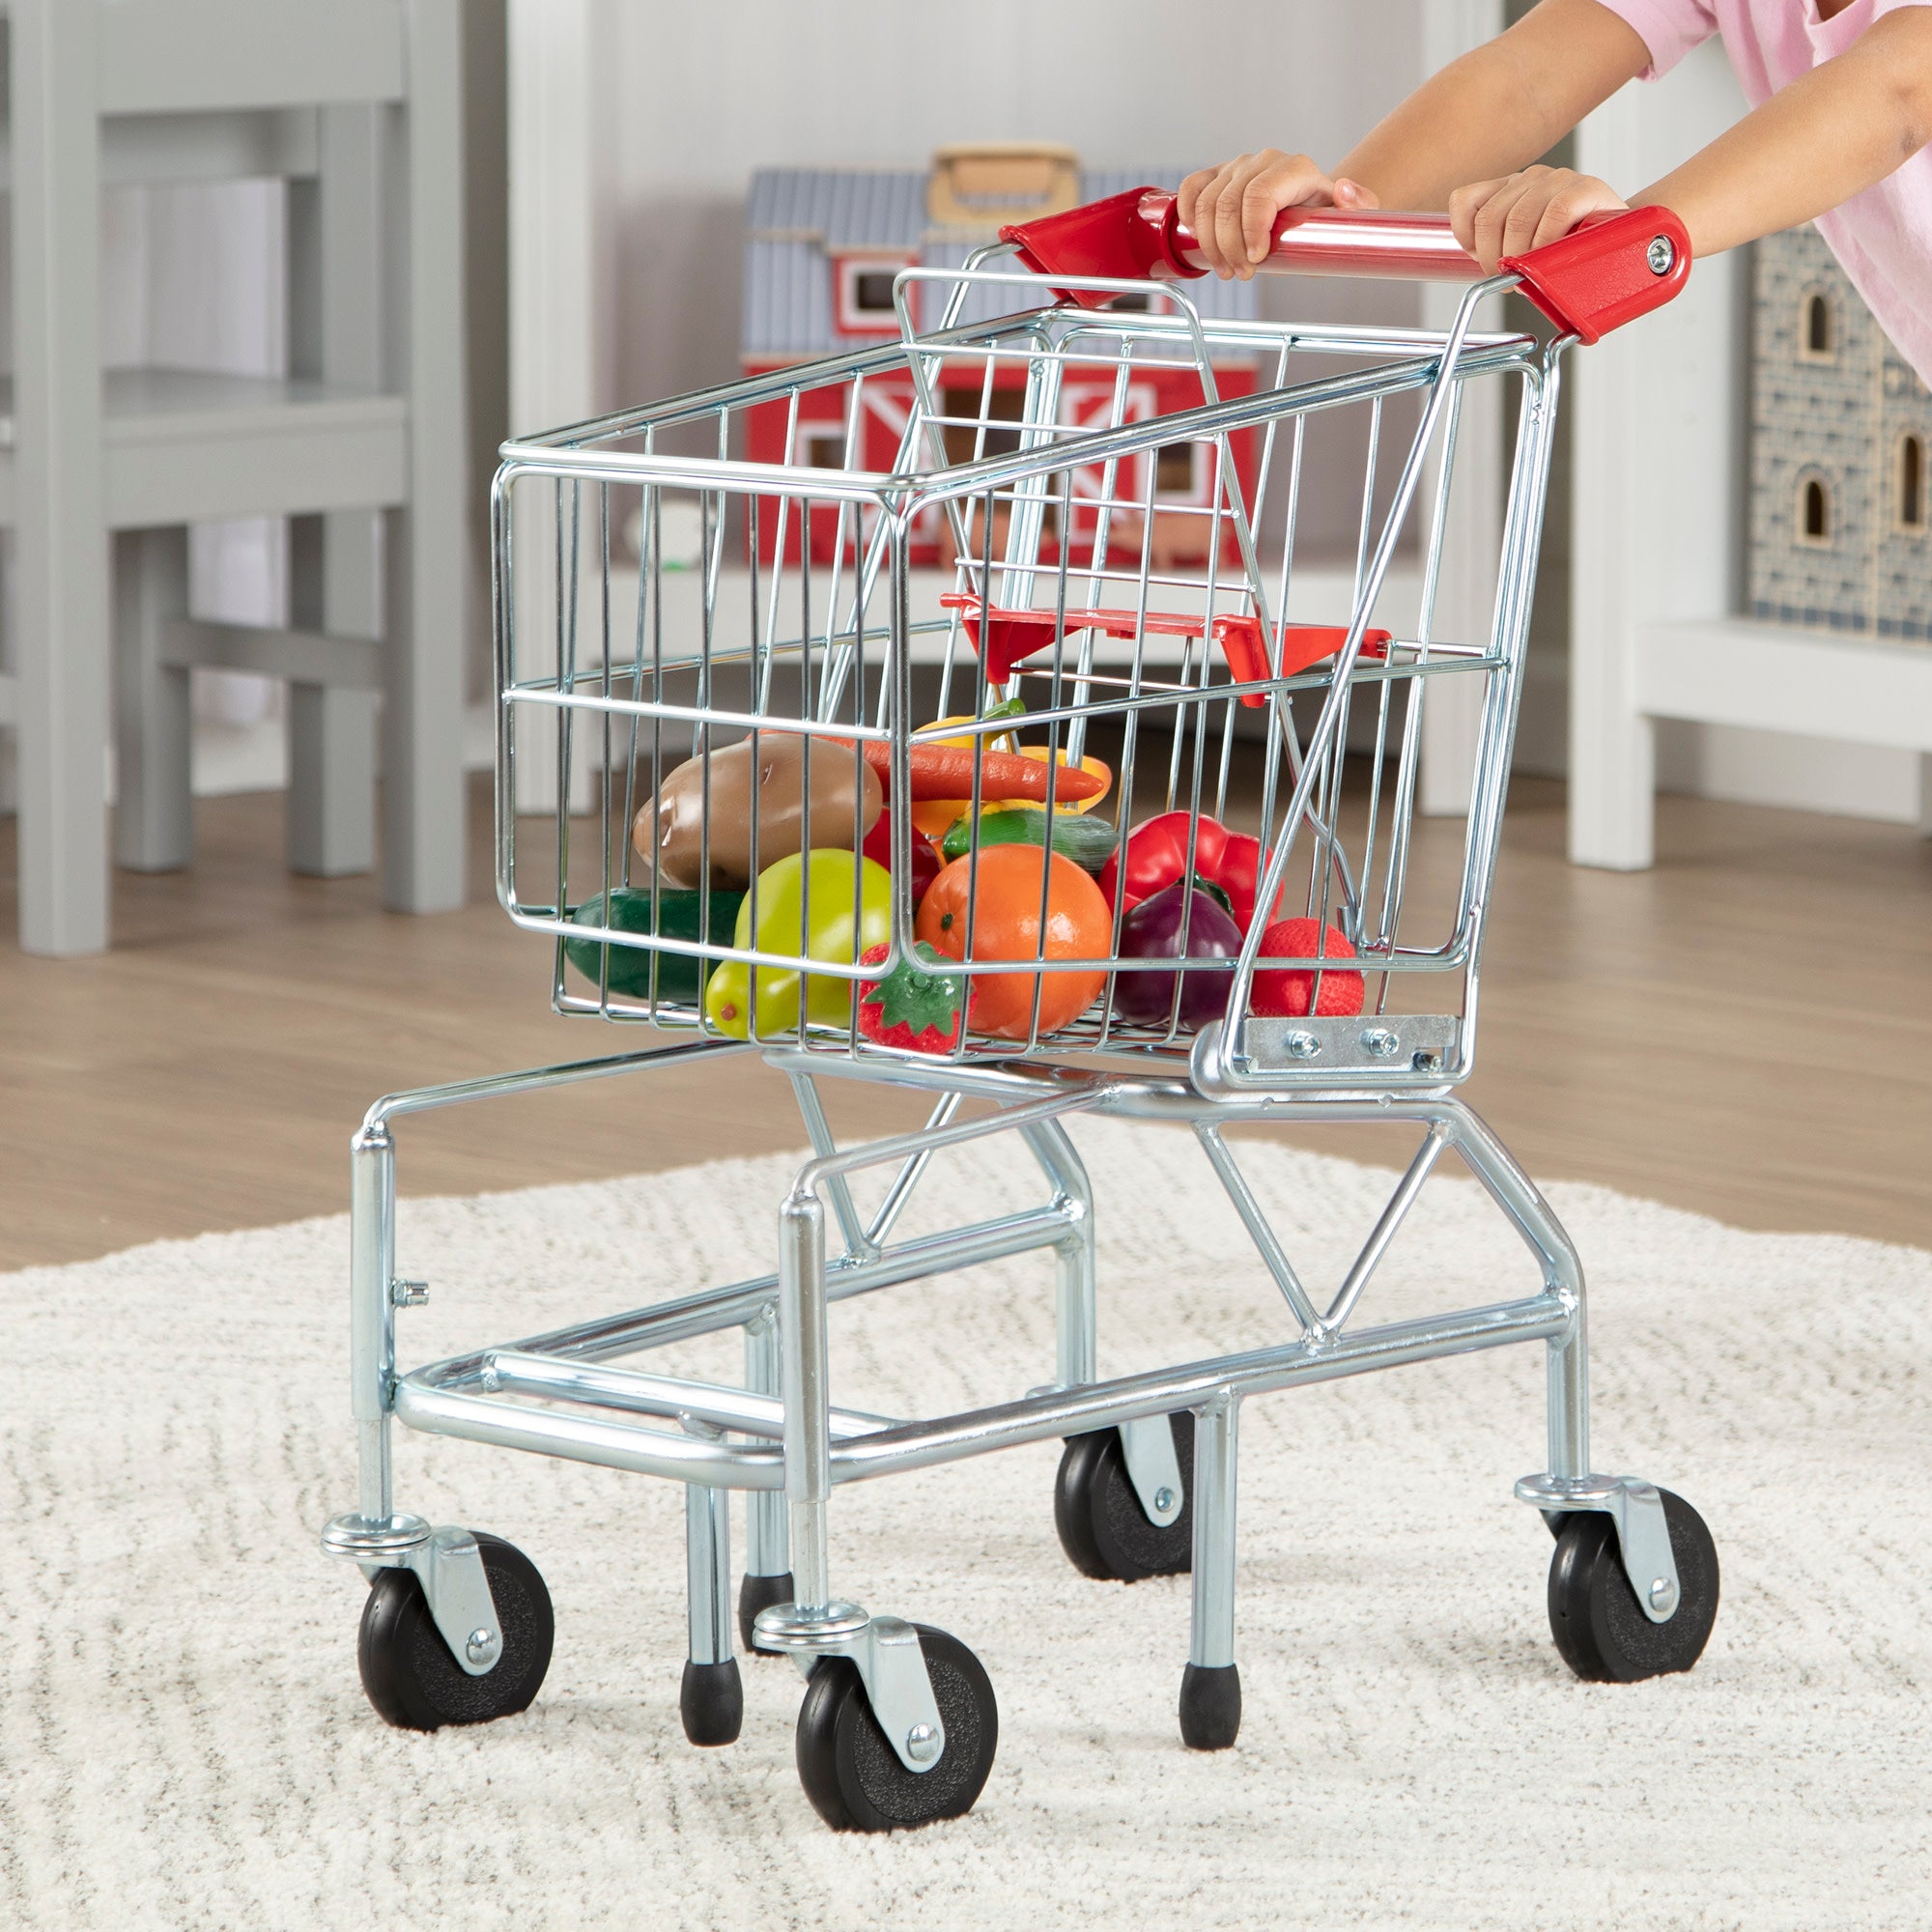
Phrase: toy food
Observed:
(1004, 883)
(806, 906)
(1174, 923)
(1285, 994)
(933, 815)
(628, 973)
(926, 862)
(1093, 768)
(668, 833)
(909, 1009)
(1088, 842)
(946, 771)
(1157, 855)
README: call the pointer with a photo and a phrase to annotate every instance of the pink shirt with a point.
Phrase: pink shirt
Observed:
(1884, 235)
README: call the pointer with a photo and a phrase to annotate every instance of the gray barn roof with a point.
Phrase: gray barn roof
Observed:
(796, 218)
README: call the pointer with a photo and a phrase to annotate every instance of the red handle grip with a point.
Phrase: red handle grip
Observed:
(1332, 242)
(1607, 271)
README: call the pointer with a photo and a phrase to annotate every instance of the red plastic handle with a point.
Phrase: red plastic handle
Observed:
(1336, 241)
(1607, 271)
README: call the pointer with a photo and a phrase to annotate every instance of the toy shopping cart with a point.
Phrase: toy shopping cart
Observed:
(1044, 756)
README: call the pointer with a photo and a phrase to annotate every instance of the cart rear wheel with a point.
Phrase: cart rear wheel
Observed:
(1104, 1529)
(1599, 1628)
(853, 1776)
(410, 1677)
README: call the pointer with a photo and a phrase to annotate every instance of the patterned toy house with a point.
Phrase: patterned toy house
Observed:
(822, 251)
(1841, 429)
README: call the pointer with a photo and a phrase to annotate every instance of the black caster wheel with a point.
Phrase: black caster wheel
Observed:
(756, 1594)
(408, 1672)
(711, 1701)
(854, 1778)
(1104, 1529)
(1600, 1630)
(1210, 1706)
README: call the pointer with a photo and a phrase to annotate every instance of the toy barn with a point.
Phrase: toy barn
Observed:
(823, 248)
(1841, 426)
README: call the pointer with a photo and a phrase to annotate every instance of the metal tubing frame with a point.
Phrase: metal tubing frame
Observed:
(1211, 1627)
(465, 1395)
(372, 1324)
(778, 1438)
(707, 1564)
(767, 1547)
(1439, 363)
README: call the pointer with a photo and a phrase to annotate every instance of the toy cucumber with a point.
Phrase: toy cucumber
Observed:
(680, 976)
(1088, 842)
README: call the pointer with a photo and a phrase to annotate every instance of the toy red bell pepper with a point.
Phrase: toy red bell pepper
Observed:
(1157, 855)
(927, 864)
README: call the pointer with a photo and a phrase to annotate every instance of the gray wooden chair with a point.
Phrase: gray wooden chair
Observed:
(357, 104)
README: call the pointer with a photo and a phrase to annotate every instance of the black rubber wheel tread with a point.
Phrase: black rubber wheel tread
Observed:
(1102, 1527)
(852, 1775)
(1599, 1628)
(406, 1669)
(756, 1594)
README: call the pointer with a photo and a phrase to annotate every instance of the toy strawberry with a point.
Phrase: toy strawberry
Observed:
(1285, 993)
(908, 1009)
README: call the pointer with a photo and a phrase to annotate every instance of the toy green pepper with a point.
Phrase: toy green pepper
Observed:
(805, 905)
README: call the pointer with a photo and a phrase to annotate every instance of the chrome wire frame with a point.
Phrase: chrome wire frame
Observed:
(821, 649)
(560, 1394)
(1021, 457)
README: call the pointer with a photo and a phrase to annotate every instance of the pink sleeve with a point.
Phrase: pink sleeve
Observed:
(1668, 28)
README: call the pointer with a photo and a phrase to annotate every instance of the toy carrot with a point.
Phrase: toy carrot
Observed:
(946, 771)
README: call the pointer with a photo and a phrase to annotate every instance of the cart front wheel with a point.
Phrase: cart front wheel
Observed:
(1599, 1628)
(410, 1677)
(851, 1773)
(1103, 1527)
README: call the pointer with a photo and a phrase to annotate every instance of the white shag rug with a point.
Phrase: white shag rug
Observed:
(184, 1740)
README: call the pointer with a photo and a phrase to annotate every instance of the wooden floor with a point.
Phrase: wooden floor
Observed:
(1745, 1031)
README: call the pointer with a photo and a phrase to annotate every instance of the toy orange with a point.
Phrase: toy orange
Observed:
(1006, 925)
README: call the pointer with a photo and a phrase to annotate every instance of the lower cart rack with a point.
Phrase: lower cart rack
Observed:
(1634, 1578)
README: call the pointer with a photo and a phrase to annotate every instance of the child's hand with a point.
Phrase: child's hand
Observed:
(1231, 209)
(1520, 211)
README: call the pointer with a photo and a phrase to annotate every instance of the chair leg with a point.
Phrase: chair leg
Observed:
(426, 551)
(331, 831)
(332, 782)
(61, 551)
(422, 729)
(153, 810)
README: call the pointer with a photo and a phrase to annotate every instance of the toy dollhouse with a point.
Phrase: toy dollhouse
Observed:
(1841, 431)
(822, 251)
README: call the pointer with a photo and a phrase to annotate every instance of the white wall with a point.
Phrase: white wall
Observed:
(701, 95)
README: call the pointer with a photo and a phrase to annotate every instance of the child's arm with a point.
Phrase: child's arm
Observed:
(1828, 136)
(1491, 111)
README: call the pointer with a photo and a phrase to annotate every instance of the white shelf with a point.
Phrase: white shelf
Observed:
(1660, 462)
(1770, 677)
